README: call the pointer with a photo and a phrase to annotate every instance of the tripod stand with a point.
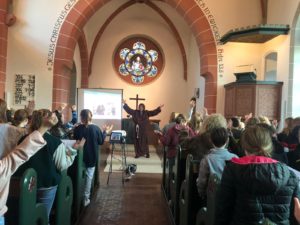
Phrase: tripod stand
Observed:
(123, 159)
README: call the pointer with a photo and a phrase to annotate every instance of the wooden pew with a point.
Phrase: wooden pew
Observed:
(206, 215)
(189, 201)
(164, 168)
(167, 173)
(176, 178)
(77, 175)
(64, 199)
(23, 209)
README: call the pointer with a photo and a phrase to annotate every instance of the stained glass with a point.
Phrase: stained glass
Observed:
(153, 54)
(124, 52)
(153, 72)
(138, 62)
(139, 45)
(123, 70)
(137, 80)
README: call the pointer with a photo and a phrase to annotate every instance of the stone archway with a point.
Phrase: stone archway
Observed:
(3, 45)
(82, 11)
(84, 56)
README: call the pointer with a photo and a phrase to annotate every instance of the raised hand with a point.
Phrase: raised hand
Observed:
(275, 123)
(30, 107)
(74, 107)
(123, 101)
(107, 128)
(204, 112)
(248, 116)
(79, 144)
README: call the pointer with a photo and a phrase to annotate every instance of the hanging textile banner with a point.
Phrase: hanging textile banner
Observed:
(24, 89)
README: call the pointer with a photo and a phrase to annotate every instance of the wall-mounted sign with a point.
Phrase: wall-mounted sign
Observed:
(24, 89)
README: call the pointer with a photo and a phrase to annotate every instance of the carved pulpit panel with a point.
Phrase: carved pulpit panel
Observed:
(244, 100)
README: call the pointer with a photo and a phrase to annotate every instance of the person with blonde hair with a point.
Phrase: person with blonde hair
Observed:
(196, 122)
(171, 122)
(256, 189)
(264, 119)
(288, 127)
(201, 144)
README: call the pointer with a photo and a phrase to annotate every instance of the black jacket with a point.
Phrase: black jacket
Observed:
(254, 188)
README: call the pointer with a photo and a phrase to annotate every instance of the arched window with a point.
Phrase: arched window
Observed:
(271, 67)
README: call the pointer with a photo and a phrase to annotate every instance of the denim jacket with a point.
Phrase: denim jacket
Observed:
(213, 163)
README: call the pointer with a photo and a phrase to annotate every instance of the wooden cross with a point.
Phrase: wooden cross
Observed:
(137, 100)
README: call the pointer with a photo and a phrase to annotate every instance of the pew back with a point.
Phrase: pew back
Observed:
(176, 178)
(77, 174)
(64, 199)
(189, 199)
(206, 215)
(23, 209)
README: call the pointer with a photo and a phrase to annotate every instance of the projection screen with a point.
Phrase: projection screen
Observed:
(105, 104)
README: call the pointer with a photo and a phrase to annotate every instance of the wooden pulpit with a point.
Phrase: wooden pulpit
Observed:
(262, 98)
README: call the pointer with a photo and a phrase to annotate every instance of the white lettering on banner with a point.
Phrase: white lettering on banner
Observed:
(215, 30)
(55, 32)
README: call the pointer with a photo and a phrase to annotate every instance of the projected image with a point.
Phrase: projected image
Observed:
(103, 105)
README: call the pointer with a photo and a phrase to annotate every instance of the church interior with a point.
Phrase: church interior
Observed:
(201, 61)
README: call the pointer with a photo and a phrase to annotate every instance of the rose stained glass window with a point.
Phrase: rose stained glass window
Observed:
(138, 61)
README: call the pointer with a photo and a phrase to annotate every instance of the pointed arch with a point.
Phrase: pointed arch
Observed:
(82, 11)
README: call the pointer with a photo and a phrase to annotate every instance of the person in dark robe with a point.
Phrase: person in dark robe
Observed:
(140, 117)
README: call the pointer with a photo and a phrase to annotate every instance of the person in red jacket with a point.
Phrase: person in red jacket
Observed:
(172, 138)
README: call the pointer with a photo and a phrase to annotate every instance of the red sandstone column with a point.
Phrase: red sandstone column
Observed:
(3, 46)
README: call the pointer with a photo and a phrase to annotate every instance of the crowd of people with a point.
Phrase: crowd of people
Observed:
(33, 138)
(257, 164)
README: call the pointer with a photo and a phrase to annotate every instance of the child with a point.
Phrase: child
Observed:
(94, 137)
(215, 161)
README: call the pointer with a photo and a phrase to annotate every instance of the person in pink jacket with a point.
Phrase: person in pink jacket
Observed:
(15, 158)
(12, 155)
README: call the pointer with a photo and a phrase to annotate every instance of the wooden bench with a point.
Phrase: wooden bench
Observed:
(176, 178)
(64, 199)
(189, 201)
(206, 215)
(23, 209)
(77, 175)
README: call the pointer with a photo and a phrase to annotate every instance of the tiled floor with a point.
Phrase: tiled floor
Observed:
(138, 202)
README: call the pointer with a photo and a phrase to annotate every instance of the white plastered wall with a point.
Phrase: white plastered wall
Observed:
(28, 42)
(170, 88)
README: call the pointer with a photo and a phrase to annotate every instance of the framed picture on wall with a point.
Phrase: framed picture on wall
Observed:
(24, 89)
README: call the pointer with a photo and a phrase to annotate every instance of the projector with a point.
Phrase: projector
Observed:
(117, 136)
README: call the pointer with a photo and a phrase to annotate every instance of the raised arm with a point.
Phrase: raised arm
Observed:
(128, 109)
(10, 163)
(155, 111)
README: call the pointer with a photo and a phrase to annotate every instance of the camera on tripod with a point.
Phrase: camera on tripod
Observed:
(118, 137)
